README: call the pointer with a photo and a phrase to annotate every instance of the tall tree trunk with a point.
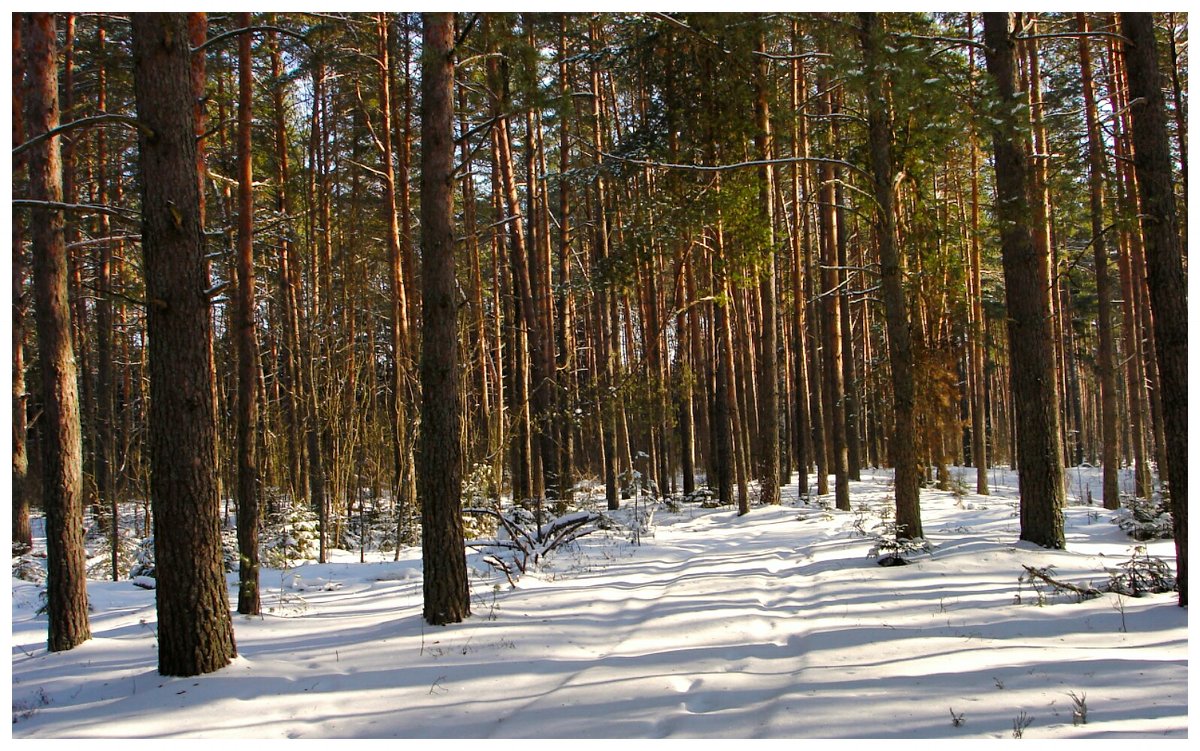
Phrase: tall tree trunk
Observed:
(904, 436)
(768, 381)
(1039, 182)
(978, 339)
(315, 314)
(62, 450)
(478, 427)
(439, 477)
(605, 356)
(544, 391)
(1134, 357)
(1181, 129)
(22, 532)
(849, 368)
(247, 341)
(813, 352)
(684, 386)
(293, 392)
(1105, 369)
(1164, 263)
(702, 366)
(197, 35)
(565, 313)
(80, 311)
(722, 423)
(400, 319)
(800, 378)
(834, 385)
(195, 633)
(1040, 470)
(105, 423)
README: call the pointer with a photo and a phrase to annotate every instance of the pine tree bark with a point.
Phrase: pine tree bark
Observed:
(979, 421)
(81, 312)
(104, 443)
(605, 356)
(1180, 107)
(768, 381)
(195, 632)
(900, 355)
(722, 422)
(834, 383)
(22, 532)
(1164, 263)
(399, 319)
(812, 350)
(293, 392)
(439, 476)
(802, 437)
(1042, 210)
(1105, 369)
(479, 422)
(247, 341)
(1135, 380)
(1040, 470)
(849, 369)
(197, 35)
(565, 307)
(61, 441)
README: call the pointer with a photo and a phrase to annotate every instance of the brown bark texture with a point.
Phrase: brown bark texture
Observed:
(900, 355)
(1164, 263)
(62, 451)
(247, 341)
(195, 632)
(439, 474)
(22, 533)
(1105, 367)
(1026, 282)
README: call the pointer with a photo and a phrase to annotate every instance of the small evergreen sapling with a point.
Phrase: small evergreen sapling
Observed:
(892, 547)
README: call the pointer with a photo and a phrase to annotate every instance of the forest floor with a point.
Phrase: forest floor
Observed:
(778, 624)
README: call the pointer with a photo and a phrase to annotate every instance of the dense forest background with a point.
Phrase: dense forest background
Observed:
(688, 250)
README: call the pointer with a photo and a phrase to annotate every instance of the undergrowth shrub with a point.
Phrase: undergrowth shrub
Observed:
(290, 536)
(143, 555)
(1141, 574)
(1145, 518)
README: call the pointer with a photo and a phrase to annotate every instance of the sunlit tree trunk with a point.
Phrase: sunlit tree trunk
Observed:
(904, 437)
(247, 341)
(1105, 370)
(768, 382)
(834, 385)
(195, 633)
(62, 450)
(1164, 265)
(439, 477)
(22, 532)
(293, 394)
(1040, 470)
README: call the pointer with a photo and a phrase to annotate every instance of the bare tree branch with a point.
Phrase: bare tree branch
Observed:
(83, 122)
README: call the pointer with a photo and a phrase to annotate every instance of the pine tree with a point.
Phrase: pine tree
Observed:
(195, 632)
(903, 435)
(62, 450)
(439, 471)
(1164, 264)
(247, 341)
(1026, 284)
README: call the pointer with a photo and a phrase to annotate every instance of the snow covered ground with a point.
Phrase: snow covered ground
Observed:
(772, 625)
